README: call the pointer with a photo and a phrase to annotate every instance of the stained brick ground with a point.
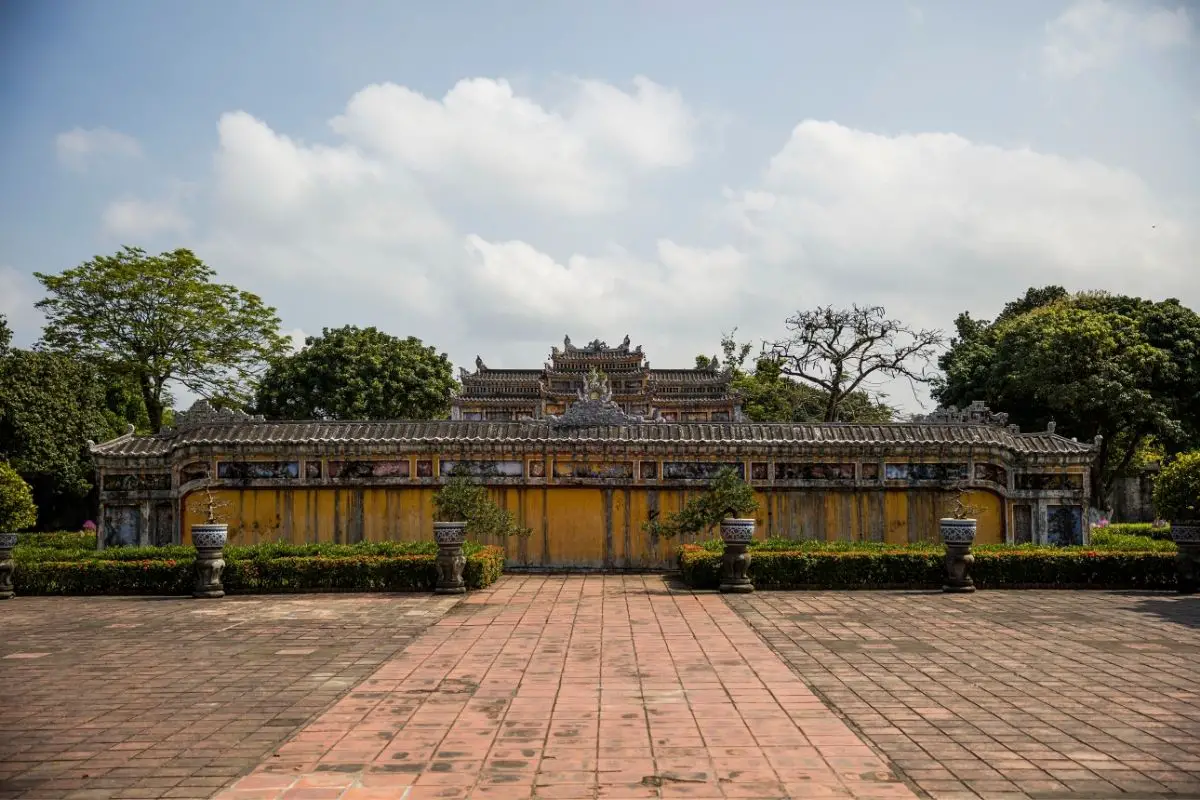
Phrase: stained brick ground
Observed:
(1006, 694)
(146, 698)
(579, 687)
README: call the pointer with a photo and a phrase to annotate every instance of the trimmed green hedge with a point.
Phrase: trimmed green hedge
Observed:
(1136, 529)
(878, 566)
(58, 566)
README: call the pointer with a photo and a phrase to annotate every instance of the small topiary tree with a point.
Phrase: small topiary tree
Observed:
(459, 500)
(727, 496)
(1177, 489)
(17, 510)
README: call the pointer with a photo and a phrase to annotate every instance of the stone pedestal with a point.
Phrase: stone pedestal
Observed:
(735, 562)
(1186, 535)
(450, 559)
(209, 541)
(958, 535)
(7, 542)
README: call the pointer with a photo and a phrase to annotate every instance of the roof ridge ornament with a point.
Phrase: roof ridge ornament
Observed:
(595, 407)
(203, 413)
(977, 413)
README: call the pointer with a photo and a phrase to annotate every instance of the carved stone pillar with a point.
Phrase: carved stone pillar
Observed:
(1186, 535)
(7, 542)
(209, 541)
(735, 561)
(450, 559)
(958, 535)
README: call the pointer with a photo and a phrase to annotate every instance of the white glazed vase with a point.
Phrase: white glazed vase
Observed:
(449, 533)
(8, 541)
(210, 536)
(958, 531)
(1185, 531)
(736, 530)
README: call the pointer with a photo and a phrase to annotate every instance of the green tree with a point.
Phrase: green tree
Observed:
(17, 509)
(153, 320)
(1122, 368)
(5, 334)
(358, 373)
(770, 396)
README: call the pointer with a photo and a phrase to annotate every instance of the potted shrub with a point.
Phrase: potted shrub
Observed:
(209, 539)
(17, 511)
(1177, 498)
(958, 534)
(461, 509)
(728, 502)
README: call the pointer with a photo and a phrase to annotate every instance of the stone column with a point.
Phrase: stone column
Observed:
(7, 542)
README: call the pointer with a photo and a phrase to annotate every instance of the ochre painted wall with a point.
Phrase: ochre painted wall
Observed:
(584, 526)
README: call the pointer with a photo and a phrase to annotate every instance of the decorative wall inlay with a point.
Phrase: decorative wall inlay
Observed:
(258, 470)
(195, 471)
(484, 469)
(758, 471)
(1064, 525)
(312, 470)
(649, 470)
(1048, 481)
(869, 470)
(425, 469)
(699, 470)
(537, 468)
(349, 470)
(126, 482)
(813, 472)
(582, 469)
(1022, 523)
(925, 472)
(991, 472)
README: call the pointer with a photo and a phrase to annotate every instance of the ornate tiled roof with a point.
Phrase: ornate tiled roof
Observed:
(444, 432)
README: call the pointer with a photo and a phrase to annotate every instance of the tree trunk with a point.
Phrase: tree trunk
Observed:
(153, 401)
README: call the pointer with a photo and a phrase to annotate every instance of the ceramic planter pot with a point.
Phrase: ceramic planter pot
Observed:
(1186, 535)
(449, 533)
(7, 542)
(735, 561)
(958, 535)
(210, 536)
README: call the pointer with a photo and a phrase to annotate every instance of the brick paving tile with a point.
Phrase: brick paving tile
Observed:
(1019, 694)
(591, 687)
(174, 697)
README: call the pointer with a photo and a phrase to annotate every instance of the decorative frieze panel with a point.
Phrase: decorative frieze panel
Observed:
(195, 471)
(312, 470)
(1048, 481)
(537, 468)
(258, 470)
(127, 482)
(699, 470)
(649, 470)
(991, 472)
(814, 472)
(869, 470)
(758, 471)
(483, 469)
(925, 472)
(583, 469)
(351, 470)
(425, 469)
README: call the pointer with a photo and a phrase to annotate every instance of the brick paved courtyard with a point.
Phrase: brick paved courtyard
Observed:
(602, 687)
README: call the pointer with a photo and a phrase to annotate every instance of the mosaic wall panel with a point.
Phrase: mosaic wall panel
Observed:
(1048, 481)
(537, 468)
(483, 469)
(814, 472)
(343, 470)
(758, 471)
(1064, 525)
(699, 470)
(925, 472)
(649, 470)
(125, 482)
(869, 470)
(312, 470)
(991, 472)
(424, 469)
(580, 469)
(258, 470)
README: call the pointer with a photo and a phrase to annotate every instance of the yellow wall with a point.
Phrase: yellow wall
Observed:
(584, 526)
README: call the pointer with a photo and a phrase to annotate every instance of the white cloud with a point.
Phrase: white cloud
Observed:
(140, 219)
(79, 148)
(1092, 34)
(297, 337)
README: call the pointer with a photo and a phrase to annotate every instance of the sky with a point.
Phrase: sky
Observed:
(489, 177)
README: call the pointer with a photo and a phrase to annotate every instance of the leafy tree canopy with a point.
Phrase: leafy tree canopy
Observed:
(156, 319)
(768, 395)
(17, 509)
(358, 373)
(1123, 368)
(5, 334)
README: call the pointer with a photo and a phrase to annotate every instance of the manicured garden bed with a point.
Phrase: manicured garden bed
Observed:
(1113, 561)
(68, 564)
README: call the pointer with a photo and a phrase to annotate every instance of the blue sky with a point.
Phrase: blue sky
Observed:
(663, 169)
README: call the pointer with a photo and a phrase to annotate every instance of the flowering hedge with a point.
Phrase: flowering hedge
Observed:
(923, 567)
(262, 569)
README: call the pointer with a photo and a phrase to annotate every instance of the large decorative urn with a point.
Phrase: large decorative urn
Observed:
(7, 542)
(450, 559)
(737, 534)
(209, 540)
(958, 535)
(1186, 535)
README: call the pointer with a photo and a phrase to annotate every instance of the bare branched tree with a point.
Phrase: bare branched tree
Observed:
(846, 350)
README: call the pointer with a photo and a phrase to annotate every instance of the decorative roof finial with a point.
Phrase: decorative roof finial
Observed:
(479, 365)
